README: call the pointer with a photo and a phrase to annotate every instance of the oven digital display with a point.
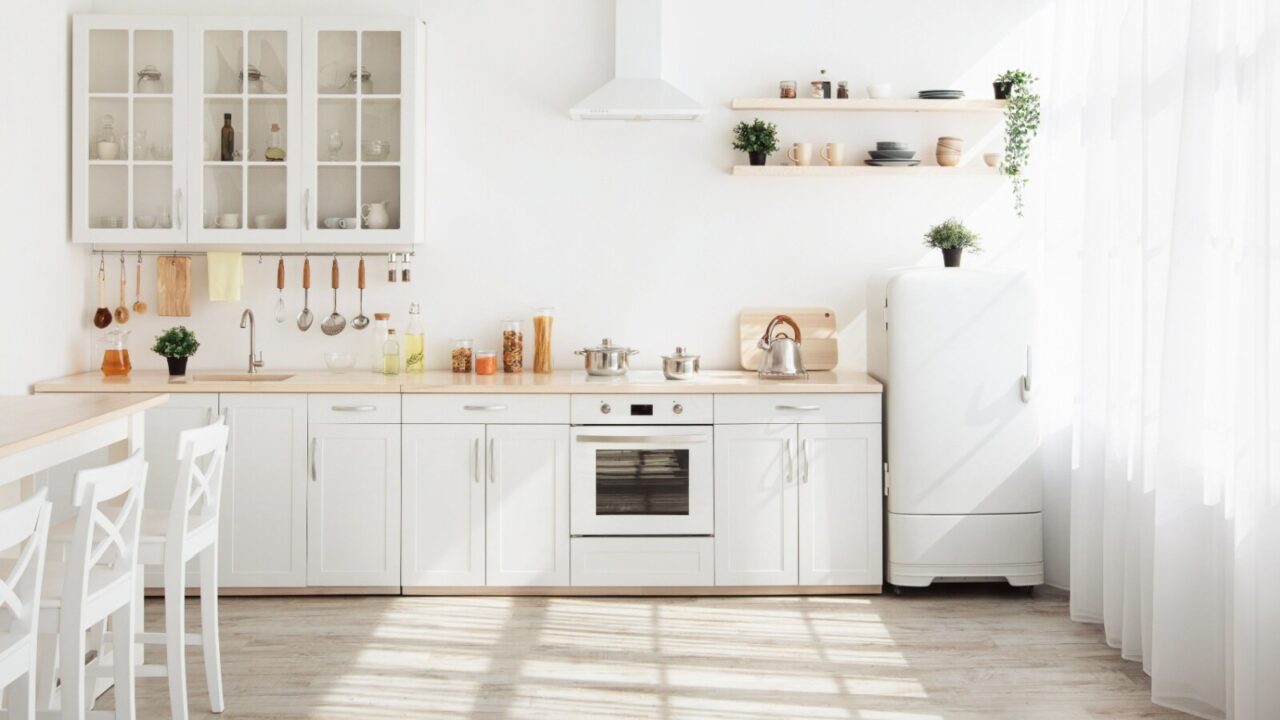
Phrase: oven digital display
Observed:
(641, 410)
(642, 482)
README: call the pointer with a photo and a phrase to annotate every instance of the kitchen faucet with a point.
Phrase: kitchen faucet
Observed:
(254, 362)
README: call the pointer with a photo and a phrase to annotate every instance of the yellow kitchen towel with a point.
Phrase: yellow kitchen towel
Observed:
(226, 275)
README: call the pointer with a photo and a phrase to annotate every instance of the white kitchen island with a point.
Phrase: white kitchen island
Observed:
(443, 483)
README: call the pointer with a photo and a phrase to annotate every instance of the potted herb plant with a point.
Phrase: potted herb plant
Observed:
(758, 140)
(1021, 121)
(952, 238)
(176, 345)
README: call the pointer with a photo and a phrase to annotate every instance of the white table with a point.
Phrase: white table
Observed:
(40, 432)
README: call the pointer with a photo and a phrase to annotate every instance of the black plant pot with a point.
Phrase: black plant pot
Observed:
(951, 256)
(757, 158)
(177, 366)
(1003, 89)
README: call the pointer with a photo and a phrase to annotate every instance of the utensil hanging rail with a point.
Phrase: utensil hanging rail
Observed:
(253, 254)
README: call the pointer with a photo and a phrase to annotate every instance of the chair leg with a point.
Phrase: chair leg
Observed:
(46, 669)
(71, 642)
(175, 650)
(209, 626)
(22, 696)
(122, 633)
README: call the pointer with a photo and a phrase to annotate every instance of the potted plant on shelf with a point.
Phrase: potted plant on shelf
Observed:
(176, 345)
(952, 238)
(1021, 121)
(758, 140)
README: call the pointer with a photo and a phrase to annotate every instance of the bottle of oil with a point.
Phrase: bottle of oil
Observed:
(228, 139)
(391, 354)
(414, 342)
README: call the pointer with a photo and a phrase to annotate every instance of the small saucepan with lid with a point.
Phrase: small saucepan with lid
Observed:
(680, 365)
(606, 359)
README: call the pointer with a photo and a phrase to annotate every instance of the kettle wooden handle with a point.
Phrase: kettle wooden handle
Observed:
(768, 331)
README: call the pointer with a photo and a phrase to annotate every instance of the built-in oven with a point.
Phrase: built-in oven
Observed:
(643, 466)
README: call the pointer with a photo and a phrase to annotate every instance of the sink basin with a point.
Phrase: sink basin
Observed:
(240, 377)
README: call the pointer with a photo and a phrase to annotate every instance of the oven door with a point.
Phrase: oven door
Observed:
(641, 480)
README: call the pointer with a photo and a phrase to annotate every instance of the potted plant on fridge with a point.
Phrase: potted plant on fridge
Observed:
(952, 238)
(176, 345)
(1021, 121)
(758, 140)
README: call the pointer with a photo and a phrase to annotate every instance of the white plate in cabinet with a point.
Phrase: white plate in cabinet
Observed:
(443, 498)
(798, 408)
(353, 506)
(527, 505)
(358, 409)
(643, 561)
(130, 187)
(486, 408)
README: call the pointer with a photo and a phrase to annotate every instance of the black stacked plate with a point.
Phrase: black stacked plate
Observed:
(941, 94)
(892, 154)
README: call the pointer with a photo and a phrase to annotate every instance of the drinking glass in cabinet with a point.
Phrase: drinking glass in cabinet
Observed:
(335, 144)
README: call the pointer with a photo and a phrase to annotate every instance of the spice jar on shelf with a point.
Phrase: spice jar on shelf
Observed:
(542, 318)
(486, 362)
(460, 357)
(842, 90)
(512, 347)
(815, 89)
(787, 89)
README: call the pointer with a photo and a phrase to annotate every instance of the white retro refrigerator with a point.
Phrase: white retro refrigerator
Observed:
(953, 349)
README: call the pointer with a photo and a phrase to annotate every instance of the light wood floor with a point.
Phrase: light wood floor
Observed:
(958, 653)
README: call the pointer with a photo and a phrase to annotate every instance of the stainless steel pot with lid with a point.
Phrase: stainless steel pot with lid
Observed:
(606, 359)
(681, 365)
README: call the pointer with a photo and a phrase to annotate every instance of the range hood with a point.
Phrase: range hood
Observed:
(637, 91)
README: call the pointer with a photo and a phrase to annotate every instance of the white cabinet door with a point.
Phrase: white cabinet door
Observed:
(250, 69)
(756, 504)
(353, 506)
(840, 505)
(263, 540)
(442, 537)
(528, 505)
(363, 146)
(129, 129)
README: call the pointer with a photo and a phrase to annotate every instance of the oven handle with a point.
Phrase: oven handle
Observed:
(642, 439)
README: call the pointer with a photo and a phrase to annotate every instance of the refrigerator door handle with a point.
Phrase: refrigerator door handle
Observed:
(1026, 379)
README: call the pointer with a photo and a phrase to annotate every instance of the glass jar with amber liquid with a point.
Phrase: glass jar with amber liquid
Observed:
(115, 354)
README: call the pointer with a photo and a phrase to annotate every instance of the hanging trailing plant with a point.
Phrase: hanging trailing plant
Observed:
(1021, 121)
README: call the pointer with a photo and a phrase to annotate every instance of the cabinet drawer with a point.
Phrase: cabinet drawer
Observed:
(643, 561)
(799, 408)
(353, 408)
(485, 408)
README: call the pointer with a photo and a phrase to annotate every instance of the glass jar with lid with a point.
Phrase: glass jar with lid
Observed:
(486, 362)
(362, 76)
(460, 356)
(512, 347)
(253, 77)
(787, 89)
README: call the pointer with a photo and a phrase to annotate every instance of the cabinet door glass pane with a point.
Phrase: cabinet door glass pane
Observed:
(153, 62)
(268, 70)
(380, 56)
(108, 61)
(223, 61)
(336, 62)
(336, 199)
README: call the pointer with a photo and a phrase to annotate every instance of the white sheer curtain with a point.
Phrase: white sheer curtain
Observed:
(1161, 192)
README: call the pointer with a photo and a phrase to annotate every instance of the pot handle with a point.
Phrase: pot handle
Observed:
(768, 331)
(632, 351)
(579, 352)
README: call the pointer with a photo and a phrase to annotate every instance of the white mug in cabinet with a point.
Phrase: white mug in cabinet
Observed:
(800, 154)
(227, 221)
(833, 153)
(375, 215)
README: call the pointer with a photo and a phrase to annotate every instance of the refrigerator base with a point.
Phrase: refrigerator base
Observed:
(928, 548)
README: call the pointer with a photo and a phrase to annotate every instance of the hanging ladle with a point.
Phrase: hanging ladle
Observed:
(102, 316)
(360, 321)
(139, 306)
(335, 323)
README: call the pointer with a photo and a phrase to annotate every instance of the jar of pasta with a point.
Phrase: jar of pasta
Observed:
(512, 347)
(460, 358)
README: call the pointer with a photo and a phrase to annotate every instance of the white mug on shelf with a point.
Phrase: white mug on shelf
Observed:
(227, 221)
(800, 153)
(833, 153)
(108, 150)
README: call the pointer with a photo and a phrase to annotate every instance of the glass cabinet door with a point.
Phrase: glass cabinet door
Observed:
(363, 106)
(128, 142)
(246, 129)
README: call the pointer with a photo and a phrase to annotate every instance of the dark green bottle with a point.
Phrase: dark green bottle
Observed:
(228, 139)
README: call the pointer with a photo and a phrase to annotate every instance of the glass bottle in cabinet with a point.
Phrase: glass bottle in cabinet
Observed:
(228, 145)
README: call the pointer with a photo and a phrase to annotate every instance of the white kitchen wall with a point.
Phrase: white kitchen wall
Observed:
(636, 231)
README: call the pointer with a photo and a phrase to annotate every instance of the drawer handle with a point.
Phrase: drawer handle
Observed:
(484, 407)
(354, 408)
(806, 408)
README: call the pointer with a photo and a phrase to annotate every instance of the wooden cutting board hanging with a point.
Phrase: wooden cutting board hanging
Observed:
(173, 286)
(817, 335)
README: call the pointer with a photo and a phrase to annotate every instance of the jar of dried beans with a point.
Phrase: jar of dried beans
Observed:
(512, 347)
(460, 358)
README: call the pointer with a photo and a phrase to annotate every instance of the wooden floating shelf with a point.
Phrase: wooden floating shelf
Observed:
(860, 170)
(868, 105)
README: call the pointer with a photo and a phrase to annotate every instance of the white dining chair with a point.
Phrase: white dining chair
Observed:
(24, 528)
(97, 582)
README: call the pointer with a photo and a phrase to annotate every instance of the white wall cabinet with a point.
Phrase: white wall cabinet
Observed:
(353, 506)
(798, 504)
(263, 533)
(527, 501)
(149, 98)
(443, 536)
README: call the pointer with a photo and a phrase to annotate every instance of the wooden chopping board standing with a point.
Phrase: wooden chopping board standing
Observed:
(817, 335)
(173, 286)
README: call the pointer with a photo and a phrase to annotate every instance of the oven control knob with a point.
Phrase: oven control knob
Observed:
(677, 408)
(604, 408)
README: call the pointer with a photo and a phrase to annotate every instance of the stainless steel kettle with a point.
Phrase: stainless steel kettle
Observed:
(781, 359)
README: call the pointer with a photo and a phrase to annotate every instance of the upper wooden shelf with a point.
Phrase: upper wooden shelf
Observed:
(868, 105)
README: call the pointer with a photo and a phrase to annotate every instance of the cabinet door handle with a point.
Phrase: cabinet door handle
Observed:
(806, 408)
(306, 209)
(177, 208)
(484, 407)
(787, 469)
(315, 443)
(475, 459)
(493, 464)
(806, 448)
(354, 408)
(1026, 379)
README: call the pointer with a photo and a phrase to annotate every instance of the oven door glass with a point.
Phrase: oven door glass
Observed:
(642, 482)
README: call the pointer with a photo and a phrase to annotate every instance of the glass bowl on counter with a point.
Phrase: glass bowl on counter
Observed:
(339, 362)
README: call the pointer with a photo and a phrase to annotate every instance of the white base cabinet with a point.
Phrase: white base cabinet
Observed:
(263, 533)
(527, 505)
(443, 497)
(756, 515)
(841, 500)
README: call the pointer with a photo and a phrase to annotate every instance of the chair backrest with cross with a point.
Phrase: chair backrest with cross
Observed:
(106, 532)
(24, 532)
(202, 454)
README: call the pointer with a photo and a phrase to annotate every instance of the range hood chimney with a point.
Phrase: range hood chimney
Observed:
(637, 91)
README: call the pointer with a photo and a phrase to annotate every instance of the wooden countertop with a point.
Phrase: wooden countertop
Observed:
(27, 421)
(443, 381)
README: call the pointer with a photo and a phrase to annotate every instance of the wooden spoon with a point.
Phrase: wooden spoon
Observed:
(102, 316)
(138, 306)
(122, 312)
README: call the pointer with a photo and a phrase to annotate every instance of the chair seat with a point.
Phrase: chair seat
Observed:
(155, 525)
(104, 583)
